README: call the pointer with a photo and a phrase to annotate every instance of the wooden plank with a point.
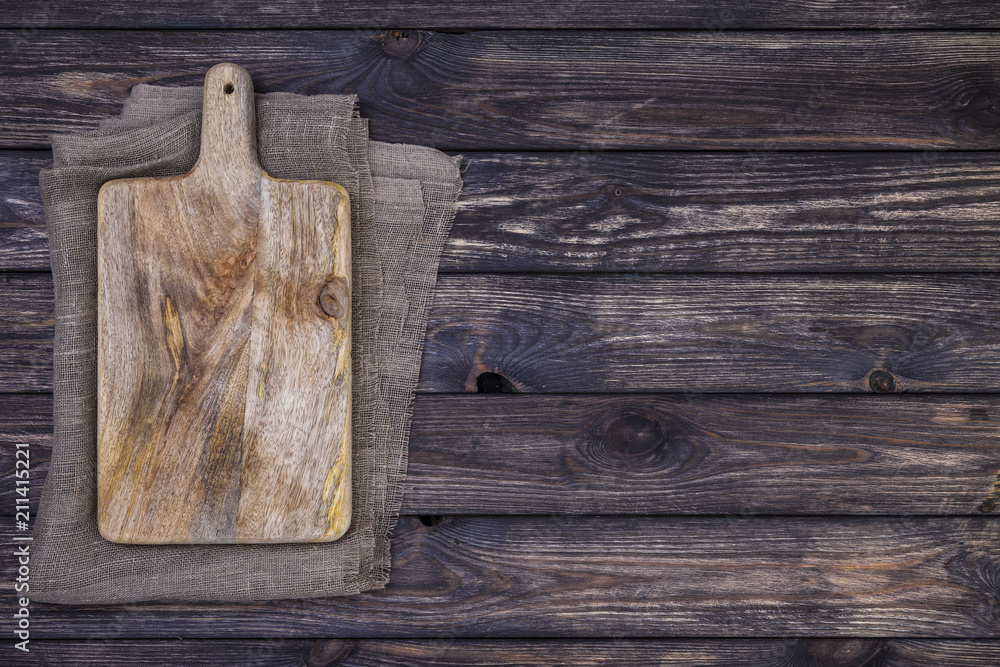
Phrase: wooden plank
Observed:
(717, 333)
(26, 320)
(854, 651)
(457, 14)
(669, 212)
(191, 652)
(935, 652)
(24, 242)
(622, 576)
(678, 333)
(24, 418)
(649, 454)
(530, 90)
(745, 455)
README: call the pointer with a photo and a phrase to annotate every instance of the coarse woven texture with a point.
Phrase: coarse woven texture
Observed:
(402, 205)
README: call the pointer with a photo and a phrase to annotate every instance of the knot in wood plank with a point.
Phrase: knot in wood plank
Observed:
(636, 440)
(882, 382)
(852, 652)
(329, 652)
(400, 43)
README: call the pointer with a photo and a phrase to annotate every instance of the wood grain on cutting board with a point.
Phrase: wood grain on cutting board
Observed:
(224, 346)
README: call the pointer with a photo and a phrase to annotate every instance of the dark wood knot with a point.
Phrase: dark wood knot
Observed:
(329, 652)
(634, 438)
(640, 441)
(335, 298)
(977, 109)
(853, 652)
(977, 569)
(431, 520)
(983, 107)
(400, 42)
(882, 382)
(494, 383)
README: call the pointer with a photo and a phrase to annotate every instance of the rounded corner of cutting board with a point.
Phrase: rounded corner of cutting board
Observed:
(106, 187)
(103, 530)
(346, 526)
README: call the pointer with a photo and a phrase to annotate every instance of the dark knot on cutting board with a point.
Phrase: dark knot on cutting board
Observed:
(335, 298)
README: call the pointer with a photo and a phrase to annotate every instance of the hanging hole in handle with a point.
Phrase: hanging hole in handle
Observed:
(228, 89)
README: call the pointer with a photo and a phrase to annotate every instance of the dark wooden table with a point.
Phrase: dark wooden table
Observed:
(712, 372)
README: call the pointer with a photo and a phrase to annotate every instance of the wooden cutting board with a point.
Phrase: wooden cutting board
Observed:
(224, 346)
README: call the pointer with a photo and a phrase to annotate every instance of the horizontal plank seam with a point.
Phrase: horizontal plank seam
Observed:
(20, 150)
(466, 29)
(38, 148)
(581, 275)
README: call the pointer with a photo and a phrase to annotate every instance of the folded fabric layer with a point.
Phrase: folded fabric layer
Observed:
(402, 205)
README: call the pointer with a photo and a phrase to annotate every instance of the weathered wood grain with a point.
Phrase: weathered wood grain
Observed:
(686, 333)
(445, 650)
(530, 90)
(612, 577)
(24, 242)
(668, 212)
(789, 652)
(457, 14)
(718, 333)
(661, 454)
(26, 323)
(933, 652)
(24, 418)
(671, 212)
(849, 579)
(223, 346)
(643, 454)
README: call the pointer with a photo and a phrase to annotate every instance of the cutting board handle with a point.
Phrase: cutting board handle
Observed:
(228, 131)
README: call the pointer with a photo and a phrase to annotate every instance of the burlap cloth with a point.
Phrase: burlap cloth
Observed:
(402, 206)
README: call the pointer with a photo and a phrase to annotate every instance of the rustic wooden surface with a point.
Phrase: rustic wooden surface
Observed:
(827, 652)
(645, 576)
(737, 264)
(387, 14)
(667, 454)
(674, 212)
(653, 332)
(227, 292)
(535, 89)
